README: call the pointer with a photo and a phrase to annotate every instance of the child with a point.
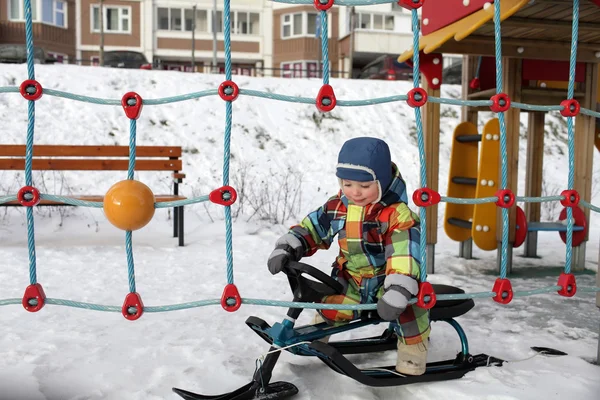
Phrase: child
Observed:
(378, 237)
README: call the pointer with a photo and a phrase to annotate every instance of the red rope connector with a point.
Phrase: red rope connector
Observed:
(34, 292)
(132, 104)
(571, 198)
(411, 4)
(506, 198)
(229, 90)
(503, 290)
(326, 98)
(500, 102)
(475, 84)
(31, 89)
(132, 300)
(28, 196)
(323, 5)
(426, 197)
(567, 284)
(426, 298)
(417, 97)
(231, 300)
(225, 196)
(571, 108)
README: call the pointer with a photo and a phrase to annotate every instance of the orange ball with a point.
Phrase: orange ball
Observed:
(129, 205)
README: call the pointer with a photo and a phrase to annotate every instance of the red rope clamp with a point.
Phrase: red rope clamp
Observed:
(567, 284)
(417, 97)
(132, 299)
(571, 198)
(426, 197)
(326, 99)
(426, 298)
(34, 292)
(571, 108)
(500, 102)
(28, 196)
(503, 290)
(31, 89)
(506, 198)
(475, 84)
(411, 4)
(231, 300)
(225, 196)
(132, 104)
(229, 91)
(323, 5)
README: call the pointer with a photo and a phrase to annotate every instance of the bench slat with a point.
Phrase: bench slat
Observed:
(58, 164)
(159, 199)
(17, 150)
(551, 226)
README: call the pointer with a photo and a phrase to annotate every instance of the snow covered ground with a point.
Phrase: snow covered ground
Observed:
(65, 353)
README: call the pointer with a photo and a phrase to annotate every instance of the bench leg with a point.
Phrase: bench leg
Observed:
(175, 221)
(180, 225)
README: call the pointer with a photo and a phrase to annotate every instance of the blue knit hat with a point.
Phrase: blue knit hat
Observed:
(366, 159)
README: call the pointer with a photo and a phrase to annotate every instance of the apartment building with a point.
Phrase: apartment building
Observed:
(267, 38)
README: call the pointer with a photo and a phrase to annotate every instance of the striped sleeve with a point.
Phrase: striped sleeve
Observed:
(402, 243)
(315, 229)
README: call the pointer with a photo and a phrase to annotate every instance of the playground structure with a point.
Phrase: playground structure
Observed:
(536, 66)
(505, 98)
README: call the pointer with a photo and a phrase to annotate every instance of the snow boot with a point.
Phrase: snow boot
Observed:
(412, 358)
(318, 319)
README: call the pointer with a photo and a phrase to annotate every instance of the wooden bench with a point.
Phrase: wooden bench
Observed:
(100, 158)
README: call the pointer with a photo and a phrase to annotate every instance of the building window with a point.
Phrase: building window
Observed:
(54, 12)
(59, 57)
(375, 22)
(299, 24)
(245, 23)
(301, 69)
(115, 19)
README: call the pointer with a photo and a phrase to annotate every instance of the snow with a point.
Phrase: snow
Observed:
(65, 353)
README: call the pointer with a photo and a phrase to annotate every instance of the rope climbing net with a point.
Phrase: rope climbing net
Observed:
(34, 298)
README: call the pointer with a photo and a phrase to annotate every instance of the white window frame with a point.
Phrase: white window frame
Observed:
(182, 11)
(105, 18)
(372, 15)
(37, 6)
(304, 32)
(234, 21)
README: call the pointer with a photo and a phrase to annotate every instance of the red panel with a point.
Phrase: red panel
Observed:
(440, 13)
(597, 2)
(544, 70)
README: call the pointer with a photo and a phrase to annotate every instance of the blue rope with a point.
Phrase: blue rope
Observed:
(325, 47)
(227, 148)
(132, 148)
(421, 144)
(130, 266)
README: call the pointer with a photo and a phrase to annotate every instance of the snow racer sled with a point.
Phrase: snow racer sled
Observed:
(284, 334)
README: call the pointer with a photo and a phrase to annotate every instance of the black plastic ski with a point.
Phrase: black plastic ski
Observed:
(253, 390)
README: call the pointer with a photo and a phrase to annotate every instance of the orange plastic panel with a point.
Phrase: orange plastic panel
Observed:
(484, 215)
(463, 163)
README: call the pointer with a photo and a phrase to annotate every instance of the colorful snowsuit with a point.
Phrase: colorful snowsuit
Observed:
(375, 240)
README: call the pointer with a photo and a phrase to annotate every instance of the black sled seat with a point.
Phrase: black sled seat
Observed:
(448, 309)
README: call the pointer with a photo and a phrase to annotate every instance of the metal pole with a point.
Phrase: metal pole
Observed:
(351, 45)
(193, 38)
(214, 59)
(101, 17)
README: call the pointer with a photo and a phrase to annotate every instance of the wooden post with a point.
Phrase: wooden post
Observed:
(534, 175)
(512, 87)
(467, 114)
(584, 147)
(431, 133)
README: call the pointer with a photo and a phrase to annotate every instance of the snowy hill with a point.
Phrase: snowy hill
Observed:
(278, 149)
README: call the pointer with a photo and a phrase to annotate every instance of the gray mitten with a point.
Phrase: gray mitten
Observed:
(288, 247)
(398, 290)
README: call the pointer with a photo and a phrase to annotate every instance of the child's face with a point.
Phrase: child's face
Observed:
(360, 193)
